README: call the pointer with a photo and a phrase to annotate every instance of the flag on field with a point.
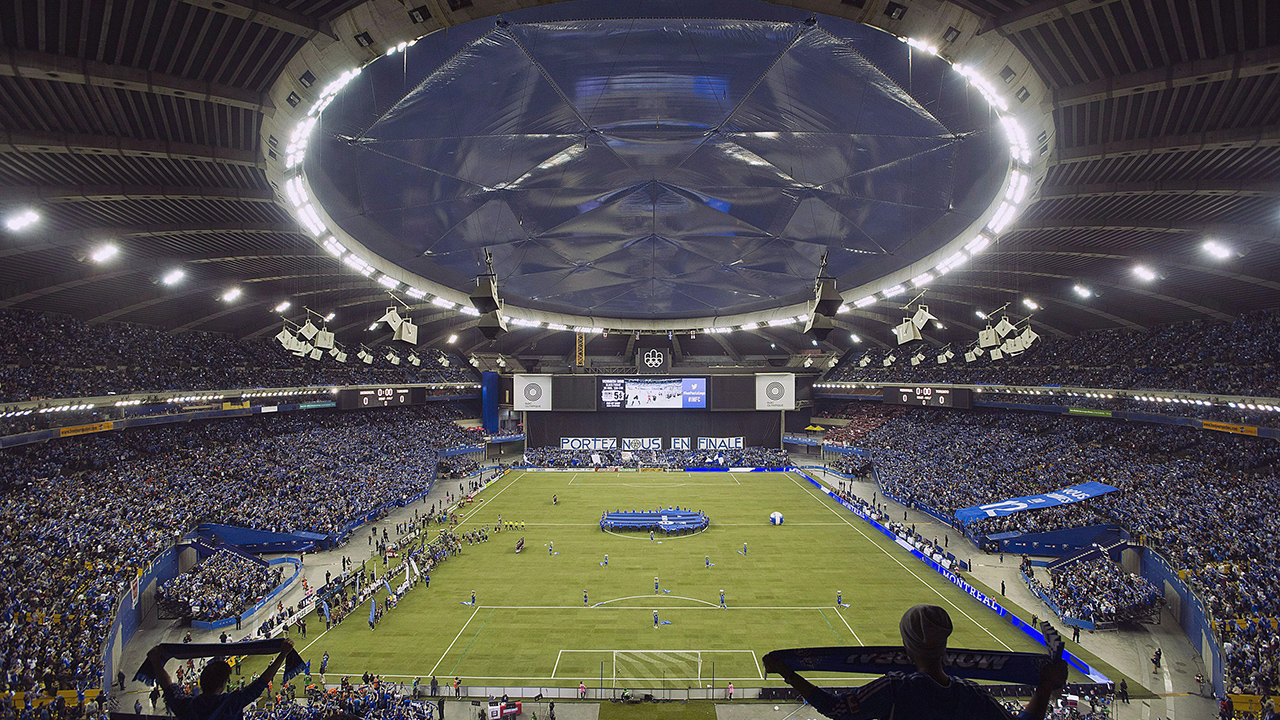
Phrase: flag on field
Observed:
(665, 622)
(416, 572)
(373, 606)
(324, 604)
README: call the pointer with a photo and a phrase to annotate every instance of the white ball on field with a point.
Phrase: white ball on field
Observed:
(775, 707)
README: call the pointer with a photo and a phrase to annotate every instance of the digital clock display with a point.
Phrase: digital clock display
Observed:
(927, 396)
(355, 399)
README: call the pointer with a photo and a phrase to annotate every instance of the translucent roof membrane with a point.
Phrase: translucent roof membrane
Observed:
(659, 166)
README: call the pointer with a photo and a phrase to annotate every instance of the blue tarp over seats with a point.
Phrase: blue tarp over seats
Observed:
(262, 541)
(671, 520)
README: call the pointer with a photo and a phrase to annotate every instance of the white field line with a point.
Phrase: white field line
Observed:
(904, 567)
(493, 497)
(455, 640)
(846, 624)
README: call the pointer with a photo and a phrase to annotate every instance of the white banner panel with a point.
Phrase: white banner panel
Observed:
(680, 443)
(725, 443)
(588, 443)
(775, 391)
(532, 392)
(641, 443)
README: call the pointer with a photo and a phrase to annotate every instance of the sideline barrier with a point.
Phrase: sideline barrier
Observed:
(1191, 614)
(959, 582)
(248, 613)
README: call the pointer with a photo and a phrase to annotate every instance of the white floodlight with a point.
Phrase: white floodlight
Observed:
(283, 306)
(104, 253)
(231, 295)
(173, 277)
(1218, 250)
(22, 220)
(1144, 273)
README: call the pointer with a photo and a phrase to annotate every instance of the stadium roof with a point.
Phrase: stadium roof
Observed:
(163, 127)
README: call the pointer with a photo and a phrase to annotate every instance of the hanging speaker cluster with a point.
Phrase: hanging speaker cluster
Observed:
(485, 300)
(1002, 339)
(909, 329)
(309, 341)
(404, 329)
(826, 303)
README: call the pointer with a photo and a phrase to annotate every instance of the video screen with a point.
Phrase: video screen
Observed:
(653, 393)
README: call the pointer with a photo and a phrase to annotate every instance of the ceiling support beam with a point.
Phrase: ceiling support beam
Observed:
(1253, 63)
(1122, 322)
(48, 67)
(74, 144)
(99, 234)
(1251, 232)
(1164, 261)
(728, 348)
(1180, 302)
(266, 14)
(862, 334)
(159, 295)
(55, 194)
(773, 339)
(260, 302)
(32, 288)
(1039, 13)
(1234, 139)
(40, 286)
(1216, 188)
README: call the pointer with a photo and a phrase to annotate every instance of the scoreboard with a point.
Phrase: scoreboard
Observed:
(927, 396)
(355, 399)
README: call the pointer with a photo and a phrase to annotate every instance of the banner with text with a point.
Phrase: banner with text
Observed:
(588, 443)
(85, 429)
(680, 443)
(1065, 496)
(1229, 428)
(642, 443)
(719, 443)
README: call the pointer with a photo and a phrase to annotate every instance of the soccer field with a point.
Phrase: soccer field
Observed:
(530, 626)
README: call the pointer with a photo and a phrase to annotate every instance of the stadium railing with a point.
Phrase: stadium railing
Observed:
(266, 600)
(1167, 399)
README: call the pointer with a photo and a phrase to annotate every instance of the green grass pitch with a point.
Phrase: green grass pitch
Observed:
(530, 627)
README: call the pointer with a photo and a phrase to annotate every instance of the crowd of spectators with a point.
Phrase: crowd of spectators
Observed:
(459, 466)
(1237, 357)
(55, 356)
(1097, 590)
(222, 585)
(863, 417)
(552, 457)
(1252, 652)
(78, 517)
(1203, 499)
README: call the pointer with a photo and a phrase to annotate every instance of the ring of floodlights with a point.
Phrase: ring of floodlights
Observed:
(980, 234)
